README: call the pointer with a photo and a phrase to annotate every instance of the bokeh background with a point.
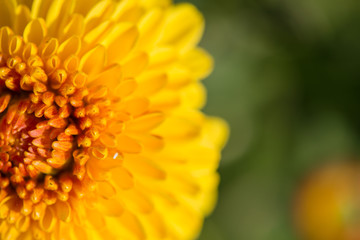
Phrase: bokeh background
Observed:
(287, 79)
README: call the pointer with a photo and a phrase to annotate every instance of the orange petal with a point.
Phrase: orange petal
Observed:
(145, 122)
(127, 144)
(63, 211)
(122, 178)
(42, 166)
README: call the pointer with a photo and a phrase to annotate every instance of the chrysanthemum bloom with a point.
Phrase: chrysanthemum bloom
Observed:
(101, 136)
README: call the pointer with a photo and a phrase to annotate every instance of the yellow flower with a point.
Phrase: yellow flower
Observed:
(101, 136)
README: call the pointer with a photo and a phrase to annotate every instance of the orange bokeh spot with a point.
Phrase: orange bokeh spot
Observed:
(327, 205)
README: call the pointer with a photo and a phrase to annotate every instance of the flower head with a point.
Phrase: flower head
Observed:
(101, 136)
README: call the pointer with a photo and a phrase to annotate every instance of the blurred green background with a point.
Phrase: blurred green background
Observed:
(287, 81)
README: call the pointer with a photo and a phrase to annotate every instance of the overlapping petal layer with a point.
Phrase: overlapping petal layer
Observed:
(101, 136)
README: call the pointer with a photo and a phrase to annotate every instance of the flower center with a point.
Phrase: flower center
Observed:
(14, 138)
(30, 146)
(50, 120)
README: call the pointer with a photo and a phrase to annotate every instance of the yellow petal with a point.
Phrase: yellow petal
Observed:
(162, 58)
(29, 50)
(7, 10)
(185, 221)
(108, 139)
(179, 77)
(110, 77)
(149, 142)
(110, 207)
(71, 64)
(154, 225)
(122, 178)
(70, 47)
(165, 100)
(150, 83)
(94, 172)
(94, 60)
(185, 128)
(155, 3)
(137, 201)
(125, 88)
(23, 223)
(113, 161)
(96, 218)
(193, 96)
(80, 233)
(57, 13)
(83, 7)
(47, 223)
(198, 62)
(50, 47)
(136, 106)
(132, 224)
(5, 35)
(97, 13)
(35, 31)
(75, 27)
(217, 131)
(10, 234)
(127, 144)
(123, 7)
(97, 33)
(120, 41)
(106, 189)
(143, 166)
(150, 26)
(183, 27)
(39, 8)
(15, 46)
(63, 211)
(22, 17)
(135, 65)
(145, 122)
